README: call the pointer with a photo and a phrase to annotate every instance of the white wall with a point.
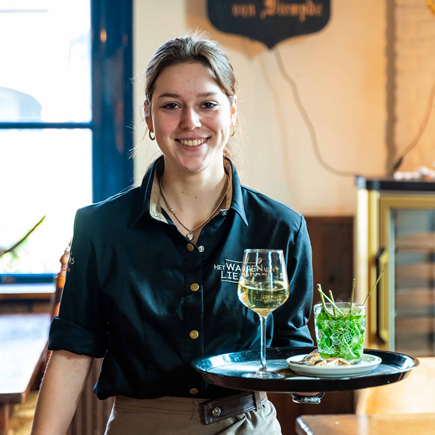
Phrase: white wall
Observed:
(340, 74)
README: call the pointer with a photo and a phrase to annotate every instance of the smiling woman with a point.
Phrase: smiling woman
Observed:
(191, 107)
(191, 118)
(197, 49)
(146, 290)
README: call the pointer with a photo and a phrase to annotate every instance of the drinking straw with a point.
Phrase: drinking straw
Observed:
(352, 294)
(374, 286)
(319, 287)
(332, 302)
(333, 307)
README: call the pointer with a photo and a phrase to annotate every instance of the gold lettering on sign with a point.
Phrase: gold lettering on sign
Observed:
(270, 9)
(245, 11)
(300, 10)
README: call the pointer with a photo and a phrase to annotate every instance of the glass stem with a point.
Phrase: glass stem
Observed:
(263, 321)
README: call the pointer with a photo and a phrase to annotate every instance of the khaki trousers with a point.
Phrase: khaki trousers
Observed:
(183, 416)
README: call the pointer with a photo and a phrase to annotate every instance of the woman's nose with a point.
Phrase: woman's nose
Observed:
(190, 119)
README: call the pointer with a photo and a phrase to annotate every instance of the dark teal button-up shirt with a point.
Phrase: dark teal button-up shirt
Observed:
(139, 294)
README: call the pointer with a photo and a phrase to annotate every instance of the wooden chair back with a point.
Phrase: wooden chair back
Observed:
(60, 282)
(413, 395)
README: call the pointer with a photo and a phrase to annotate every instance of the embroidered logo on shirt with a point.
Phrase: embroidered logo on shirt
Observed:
(70, 262)
(230, 270)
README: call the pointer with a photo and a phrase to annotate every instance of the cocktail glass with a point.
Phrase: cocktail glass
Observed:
(340, 330)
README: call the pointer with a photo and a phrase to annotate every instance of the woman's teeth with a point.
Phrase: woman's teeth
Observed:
(193, 143)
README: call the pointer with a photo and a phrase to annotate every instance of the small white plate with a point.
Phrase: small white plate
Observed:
(367, 364)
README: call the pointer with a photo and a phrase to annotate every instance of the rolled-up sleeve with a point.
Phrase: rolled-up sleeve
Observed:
(82, 324)
(290, 320)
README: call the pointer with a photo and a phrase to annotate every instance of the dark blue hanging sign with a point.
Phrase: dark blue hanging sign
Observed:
(269, 21)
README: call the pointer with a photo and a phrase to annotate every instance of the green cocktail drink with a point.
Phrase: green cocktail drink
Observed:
(340, 330)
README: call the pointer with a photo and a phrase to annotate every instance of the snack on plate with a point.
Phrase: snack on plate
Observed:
(312, 358)
(335, 362)
(315, 359)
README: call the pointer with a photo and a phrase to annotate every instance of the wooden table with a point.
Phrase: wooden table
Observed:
(27, 291)
(23, 347)
(350, 424)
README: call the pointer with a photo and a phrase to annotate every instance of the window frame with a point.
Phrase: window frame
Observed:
(112, 108)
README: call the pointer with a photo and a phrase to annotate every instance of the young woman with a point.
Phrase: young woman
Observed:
(152, 282)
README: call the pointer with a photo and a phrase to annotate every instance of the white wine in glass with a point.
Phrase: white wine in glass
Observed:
(263, 287)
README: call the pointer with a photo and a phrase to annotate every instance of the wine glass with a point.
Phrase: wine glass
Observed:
(263, 287)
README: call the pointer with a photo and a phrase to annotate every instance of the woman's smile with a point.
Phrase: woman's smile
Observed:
(191, 117)
(192, 142)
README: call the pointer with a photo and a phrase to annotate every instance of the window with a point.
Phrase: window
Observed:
(65, 117)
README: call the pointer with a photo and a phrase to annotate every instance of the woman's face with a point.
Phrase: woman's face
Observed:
(191, 117)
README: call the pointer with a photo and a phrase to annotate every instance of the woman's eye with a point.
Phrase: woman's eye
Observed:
(170, 106)
(209, 105)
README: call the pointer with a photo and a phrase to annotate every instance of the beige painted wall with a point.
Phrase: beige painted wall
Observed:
(415, 82)
(340, 74)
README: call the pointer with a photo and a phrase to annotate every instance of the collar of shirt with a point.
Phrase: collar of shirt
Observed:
(149, 198)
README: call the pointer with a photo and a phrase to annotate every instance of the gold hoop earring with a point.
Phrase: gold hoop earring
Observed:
(152, 138)
(234, 131)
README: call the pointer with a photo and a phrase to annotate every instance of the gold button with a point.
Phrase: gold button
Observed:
(193, 391)
(190, 247)
(194, 287)
(194, 334)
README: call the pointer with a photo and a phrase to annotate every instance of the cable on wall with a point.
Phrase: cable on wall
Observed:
(308, 122)
(313, 135)
(420, 132)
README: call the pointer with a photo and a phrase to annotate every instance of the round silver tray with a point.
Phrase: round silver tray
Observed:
(225, 371)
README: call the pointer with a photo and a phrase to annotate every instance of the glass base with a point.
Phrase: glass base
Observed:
(263, 375)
